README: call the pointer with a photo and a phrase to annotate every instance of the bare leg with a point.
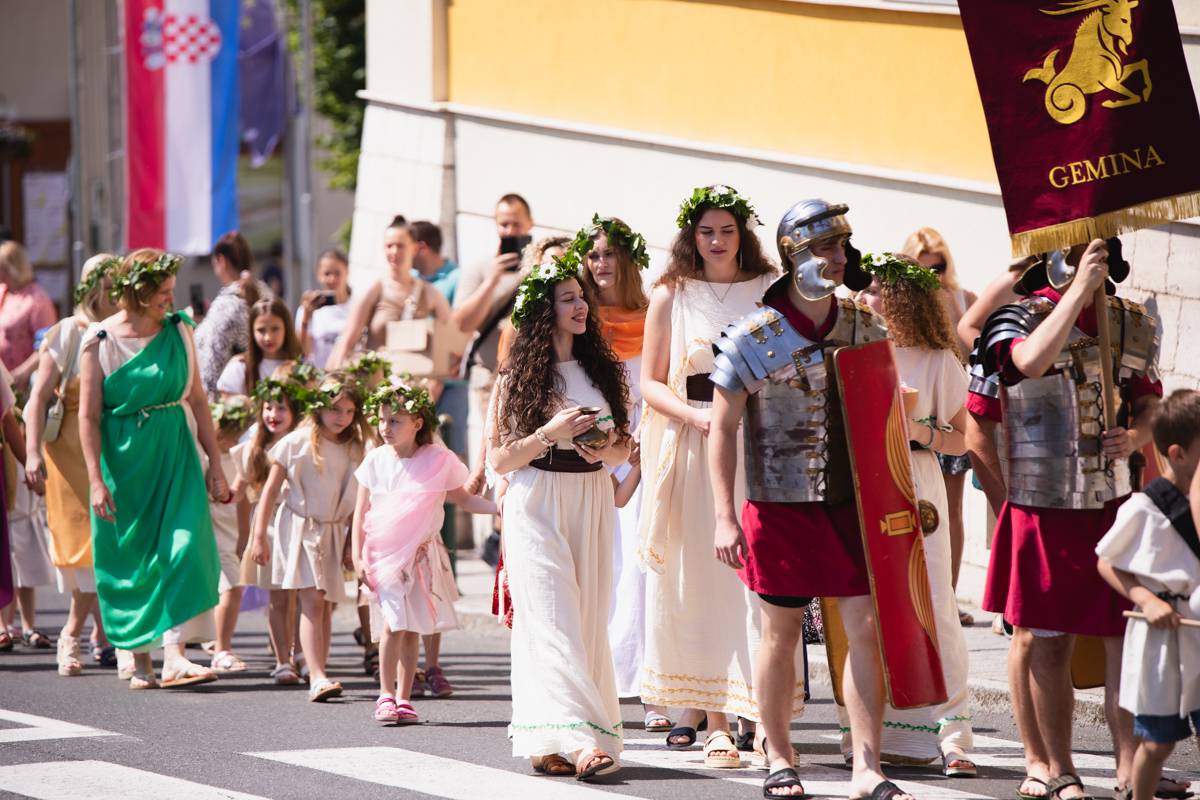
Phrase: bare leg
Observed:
(775, 683)
(77, 614)
(27, 605)
(1054, 702)
(1120, 721)
(227, 617)
(389, 660)
(1037, 757)
(1148, 767)
(954, 507)
(327, 630)
(862, 688)
(312, 631)
(279, 625)
(409, 647)
(433, 650)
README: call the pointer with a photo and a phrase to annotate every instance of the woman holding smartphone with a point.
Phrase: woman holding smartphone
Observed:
(324, 312)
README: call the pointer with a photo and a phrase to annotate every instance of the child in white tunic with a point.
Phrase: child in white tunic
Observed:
(1151, 555)
(231, 417)
(397, 541)
(316, 461)
(280, 410)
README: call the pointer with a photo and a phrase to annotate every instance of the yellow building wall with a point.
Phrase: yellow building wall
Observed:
(886, 88)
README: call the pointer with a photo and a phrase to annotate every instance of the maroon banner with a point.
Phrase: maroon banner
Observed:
(1091, 114)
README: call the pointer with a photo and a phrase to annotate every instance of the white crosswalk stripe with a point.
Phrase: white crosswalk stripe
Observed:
(433, 775)
(34, 728)
(77, 780)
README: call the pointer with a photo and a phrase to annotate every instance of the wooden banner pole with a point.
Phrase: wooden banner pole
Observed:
(1104, 338)
(1187, 623)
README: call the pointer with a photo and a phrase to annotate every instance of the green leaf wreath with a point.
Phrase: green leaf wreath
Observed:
(718, 196)
(401, 394)
(892, 267)
(618, 234)
(93, 279)
(539, 283)
(145, 274)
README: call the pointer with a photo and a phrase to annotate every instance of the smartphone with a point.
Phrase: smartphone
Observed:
(325, 298)
(515, 245)
(196, 299)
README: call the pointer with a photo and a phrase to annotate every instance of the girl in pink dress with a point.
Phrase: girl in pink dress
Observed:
(396, 536)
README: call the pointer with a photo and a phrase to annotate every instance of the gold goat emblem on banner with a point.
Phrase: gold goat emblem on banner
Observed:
(1095, 63)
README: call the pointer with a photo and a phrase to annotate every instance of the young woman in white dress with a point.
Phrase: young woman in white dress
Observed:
(927, 358)
(560, 382)
(702, 622)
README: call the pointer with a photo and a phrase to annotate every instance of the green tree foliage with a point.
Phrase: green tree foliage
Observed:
(339, 73)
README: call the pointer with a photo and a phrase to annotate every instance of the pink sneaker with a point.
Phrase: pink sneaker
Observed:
(438, 685)
(385, 710)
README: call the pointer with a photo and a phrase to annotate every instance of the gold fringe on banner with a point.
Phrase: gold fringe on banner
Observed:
(1102, 226)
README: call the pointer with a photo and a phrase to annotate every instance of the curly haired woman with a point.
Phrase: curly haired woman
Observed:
(559, 416)
(927, 358)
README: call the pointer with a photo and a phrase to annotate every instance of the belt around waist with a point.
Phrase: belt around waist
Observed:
(700, 387)
(558, 460)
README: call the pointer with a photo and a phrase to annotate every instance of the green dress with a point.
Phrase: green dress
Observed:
(156, 565)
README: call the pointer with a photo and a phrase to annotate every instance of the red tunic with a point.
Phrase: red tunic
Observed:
(1042, 572)
(804, 549)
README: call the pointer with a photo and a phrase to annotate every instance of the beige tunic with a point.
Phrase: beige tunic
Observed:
(313, 520)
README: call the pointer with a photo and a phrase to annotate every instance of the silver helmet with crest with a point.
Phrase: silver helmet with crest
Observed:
(804, 224)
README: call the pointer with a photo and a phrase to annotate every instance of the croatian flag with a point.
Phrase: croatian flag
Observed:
(182, 122)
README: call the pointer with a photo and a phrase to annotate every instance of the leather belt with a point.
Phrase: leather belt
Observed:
(557, 459)
(700, 387)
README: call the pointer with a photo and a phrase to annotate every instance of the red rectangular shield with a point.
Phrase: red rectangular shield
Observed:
(890, 522)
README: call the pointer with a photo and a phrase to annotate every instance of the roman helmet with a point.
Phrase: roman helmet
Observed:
(807, 222)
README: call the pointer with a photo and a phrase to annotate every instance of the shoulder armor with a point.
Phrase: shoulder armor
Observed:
(857, 324)
(1014, 321)
(753, 347)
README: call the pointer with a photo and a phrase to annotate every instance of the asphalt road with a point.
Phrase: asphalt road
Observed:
(243, 736)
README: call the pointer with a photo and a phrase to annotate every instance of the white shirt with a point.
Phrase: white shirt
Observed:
(327, 325)
(233, 377)
(1160, 668)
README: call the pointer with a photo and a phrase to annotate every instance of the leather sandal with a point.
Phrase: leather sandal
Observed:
(1066, 781)
(784, 778)
(595, 763)
(717, 756)
(553, 765)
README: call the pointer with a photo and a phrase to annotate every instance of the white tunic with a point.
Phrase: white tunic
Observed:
(1160, 668)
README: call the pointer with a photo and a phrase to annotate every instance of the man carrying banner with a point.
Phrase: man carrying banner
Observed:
(754, 374)
(1038, 376)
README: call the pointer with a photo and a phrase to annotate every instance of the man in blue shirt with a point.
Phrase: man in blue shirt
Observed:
(431, 265)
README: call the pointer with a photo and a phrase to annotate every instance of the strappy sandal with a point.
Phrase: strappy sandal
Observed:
(36, 640)
(656, 723)
(553, 765)
(192, 675)
(406, 714)
(69, 665)
(227, 661)
(717, 757)
(958, 766)
(1066, 781)
(104, 655)
(759, 758)
(685, 730)
(323, 690)
(1173, 794)
(884, 790)
(6, 641)
(785, 778)
(595, 763)
(745, 736)
(285, 675)
(143, 680)
(1027, 795)
(385, 710)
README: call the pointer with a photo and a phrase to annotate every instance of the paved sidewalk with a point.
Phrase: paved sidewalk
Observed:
(988, 652)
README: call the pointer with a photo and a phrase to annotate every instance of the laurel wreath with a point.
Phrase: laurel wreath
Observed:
(618, 234)
(269, 390)
(398, 394)
(145, 274)
(236, 411)
(890, 268)
(93, 279)
(364, 368)
(539, 283)
(718, 196)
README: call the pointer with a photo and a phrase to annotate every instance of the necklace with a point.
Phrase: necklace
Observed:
(721, 298)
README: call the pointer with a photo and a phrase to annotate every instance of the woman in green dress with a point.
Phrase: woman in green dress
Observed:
(142, 410)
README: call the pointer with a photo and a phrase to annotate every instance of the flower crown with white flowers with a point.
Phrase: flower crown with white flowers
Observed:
(233, 412)
(892, 268)
(142, 274)
(618, 234)
(401, 395)
(719, 196)
(539, 284)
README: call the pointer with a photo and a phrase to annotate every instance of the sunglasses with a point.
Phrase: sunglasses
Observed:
(938, 268)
